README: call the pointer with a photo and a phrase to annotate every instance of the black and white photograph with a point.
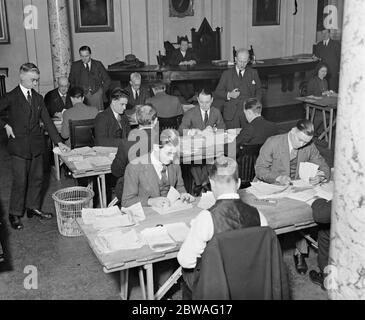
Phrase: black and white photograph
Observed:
(166, 152)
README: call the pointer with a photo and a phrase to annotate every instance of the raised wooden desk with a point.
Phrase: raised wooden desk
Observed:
(287, 216)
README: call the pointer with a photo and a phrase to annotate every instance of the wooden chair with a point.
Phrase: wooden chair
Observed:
(169, 123)
(206, 43)
(81, 133)
(246, 161)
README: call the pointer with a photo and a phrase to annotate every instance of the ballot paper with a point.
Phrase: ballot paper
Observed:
(307, 170)
(177, 231)
(178, 205)
(84, 165)
(325, 190)
(100, 161)
(99, 149)
(263, 190)
(173, 195)
(73, 152)
(113, 240)
(136, 211)
(303, 196)
(207, 200)
(107, 218)
(158, 238)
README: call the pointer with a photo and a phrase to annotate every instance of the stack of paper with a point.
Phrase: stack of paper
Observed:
(304, 196)
(175, 203)
(158, 239)
(177, 231)
(99, 149)
(325, 191)
(100, 161)
(136, 211)
(84, 165)
(114, 240)
(262, 190)
(106, 218)
(307, 170)
(207, 200)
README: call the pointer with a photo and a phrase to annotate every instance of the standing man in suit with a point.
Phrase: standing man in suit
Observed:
(26, 145)
(329, 51)
(92, 76)
(167, 106)
(279, 161)
(111, 125)
(206, 118)
(258, 128)
(148, 178)
(58, 99)
(138, 94)
(184, 56)
(142, 138)
(79, 111)
(235, 86)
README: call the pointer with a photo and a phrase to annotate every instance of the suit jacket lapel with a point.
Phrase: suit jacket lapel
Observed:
(23, 100)
(285, 153)
(154, 179)
(199, 116)
(171, 174)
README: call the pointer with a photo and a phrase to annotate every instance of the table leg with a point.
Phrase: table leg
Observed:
(141, 282)
(313, 114)
(90, 185)
(325, 125)
(330, 131)
(149, 275)
(103, 190)
(307, 111)
(100, 192)
(57, 166)
(124, 276)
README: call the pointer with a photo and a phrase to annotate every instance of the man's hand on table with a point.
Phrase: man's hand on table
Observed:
(159, 202)
(283, 180)
(318, 178)
(186, 197)
(63, 147)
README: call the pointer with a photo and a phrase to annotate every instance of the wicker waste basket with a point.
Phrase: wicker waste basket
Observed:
(69, 203)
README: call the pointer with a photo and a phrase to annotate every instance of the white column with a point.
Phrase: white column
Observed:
(347, 254)
(60, 37)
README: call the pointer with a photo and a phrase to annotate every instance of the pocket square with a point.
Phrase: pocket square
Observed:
(253, 82)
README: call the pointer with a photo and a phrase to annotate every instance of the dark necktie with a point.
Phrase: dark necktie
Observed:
(87, 67)
(63, 99)
(119, 120)
(241, 76)
(29, 98)
(164, 173)
(206, 118)
(137, 95)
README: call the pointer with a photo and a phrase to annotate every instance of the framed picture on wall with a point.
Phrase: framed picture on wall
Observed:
(266, 12)
(4, 30)
(94, 15)
(181, 8)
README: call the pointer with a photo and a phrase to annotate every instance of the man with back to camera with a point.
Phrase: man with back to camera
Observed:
(92, 76)
(278, 163)
(235, 86)
(26, 145)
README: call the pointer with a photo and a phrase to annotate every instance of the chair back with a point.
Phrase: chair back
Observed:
(170, 123)
(246, 161)
(303, 88)
(82, 133)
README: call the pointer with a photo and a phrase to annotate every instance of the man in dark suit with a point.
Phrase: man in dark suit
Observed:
(235, 86)
(258, 128)
(138, 94)
(142, 138)
(111, 125)
(184, 56)
(58, 99)
(329, 51)
(201, 118)
(167, 106)
(90, 75)
(26, 144)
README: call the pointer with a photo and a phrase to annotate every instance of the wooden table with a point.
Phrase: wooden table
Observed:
(287, 216)
(99, 172)
(325, 105)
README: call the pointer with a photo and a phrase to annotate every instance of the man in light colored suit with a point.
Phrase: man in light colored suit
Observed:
(167, 106)
(148, 178)
(201, 118)
(279, 161)
(235, 86)
(79, 111)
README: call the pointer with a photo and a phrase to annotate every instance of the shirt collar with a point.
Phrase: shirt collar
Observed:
(238, 71)
(61, 95)
(25, 90)
(116, 115)
(226, 196)
(203, 112)
(154, 157)
(89, 64)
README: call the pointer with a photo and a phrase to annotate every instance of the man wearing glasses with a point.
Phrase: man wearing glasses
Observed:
(278, 163)
(26, 110)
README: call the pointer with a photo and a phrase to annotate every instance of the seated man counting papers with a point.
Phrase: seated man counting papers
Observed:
(148, 178)
(279, 161)
(229, 213)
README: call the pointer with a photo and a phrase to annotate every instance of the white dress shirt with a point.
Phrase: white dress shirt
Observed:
(135, 93)
(183, 53)
(240, 71)
(157, 164)
(88, 64)
(325, 42)
(203, 114)
(25, 91)
(202, 231)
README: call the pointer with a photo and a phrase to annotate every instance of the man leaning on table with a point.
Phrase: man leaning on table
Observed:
(79, 111)
(148, 178)
(58, 99)
(26, 110)
(279, 161)
(229, 213)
